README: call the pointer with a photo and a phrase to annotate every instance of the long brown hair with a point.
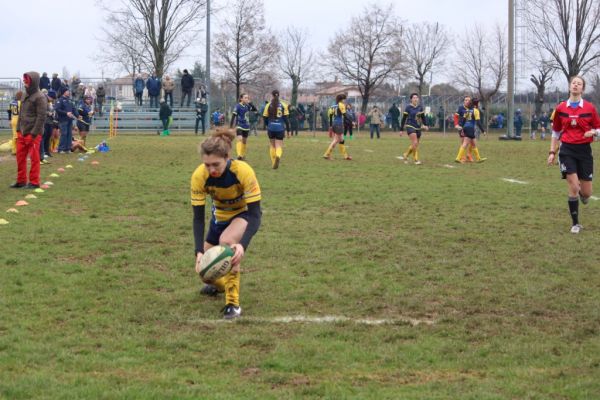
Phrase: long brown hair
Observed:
(274, 106)
(218, 144)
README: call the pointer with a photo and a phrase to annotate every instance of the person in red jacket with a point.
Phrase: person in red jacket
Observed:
(29, 132)
(575, 122)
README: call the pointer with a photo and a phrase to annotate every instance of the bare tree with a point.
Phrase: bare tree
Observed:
(368, 52)
(245, 47)
(540, 79)
(155, 32)
(425, 47)
(567, 31)
(296, 58)
(483, 65)
(121, 50)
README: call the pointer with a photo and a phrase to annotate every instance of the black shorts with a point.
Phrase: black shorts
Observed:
(217, 228)
(243, 133)
(276, 135)
(469, 132)
(576, 159)
(338, 128)
(83, 127)
(410, 131)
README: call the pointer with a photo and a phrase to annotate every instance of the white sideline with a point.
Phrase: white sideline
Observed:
(594, 198)
(328, 319)
(448, 166)
(369, 151)
(514, 181)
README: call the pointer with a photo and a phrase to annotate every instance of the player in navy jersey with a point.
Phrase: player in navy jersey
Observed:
(276, 115)
(575, 122)
(414, 120)
(241, 114)
(465, 119)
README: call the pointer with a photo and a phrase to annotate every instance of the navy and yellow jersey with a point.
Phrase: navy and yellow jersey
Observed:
(466, 117)
(14, 108)
(84, 111)
(413, 117)
(279, 123)
(231, 192)
(240, 112)
(337, 113)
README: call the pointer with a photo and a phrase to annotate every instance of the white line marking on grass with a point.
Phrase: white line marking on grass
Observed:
(448, 166)
(329, 319)
(594, 198)
(369, 151)
(510, 180)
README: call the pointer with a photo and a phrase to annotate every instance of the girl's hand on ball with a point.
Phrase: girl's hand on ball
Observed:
(237, 257)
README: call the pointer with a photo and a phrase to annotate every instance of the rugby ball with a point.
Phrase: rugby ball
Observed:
(215, 263)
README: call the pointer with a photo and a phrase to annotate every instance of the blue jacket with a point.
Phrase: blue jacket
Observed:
(153, 86)
(63, 106)
(138, 85)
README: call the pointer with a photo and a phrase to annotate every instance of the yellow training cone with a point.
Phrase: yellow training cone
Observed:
(3, 221)
(54, 175)
(31, 196)
(48, 183)
(12, 210)
(68, 166)
(39, 190)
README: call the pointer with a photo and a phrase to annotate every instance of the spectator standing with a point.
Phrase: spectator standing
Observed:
(48, 127)
(14, 110)
(394, 113)
(535, 121)
(201, 109)
(138, 89)
(164, 114)
(187, 86)
(84, 121)
(168, 86)
(30, 129)
(543, 125)
(440, 117)
(100, 98)
(294, 121)
(65, 112)
(376, 121)
(324, 119)
(75, 81)
(44, 82)
(518, 124)
(153, 86)
(56, 83)
(79, 92)
(349, 121)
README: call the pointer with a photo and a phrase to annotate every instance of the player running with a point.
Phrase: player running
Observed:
(240, 115)
(337, 116)
(236, 212)
(575, 123)
(276, 115)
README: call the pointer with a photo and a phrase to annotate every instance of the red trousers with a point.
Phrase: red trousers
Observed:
(27, 145)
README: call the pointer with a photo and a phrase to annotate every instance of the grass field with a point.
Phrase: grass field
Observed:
(474, 286)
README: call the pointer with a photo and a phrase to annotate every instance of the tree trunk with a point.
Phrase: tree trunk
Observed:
(421, 85)
(295, 84)
(539, 100)
(365, 99)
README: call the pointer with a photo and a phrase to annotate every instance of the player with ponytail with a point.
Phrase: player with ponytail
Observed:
(276, 120)
(236, 212)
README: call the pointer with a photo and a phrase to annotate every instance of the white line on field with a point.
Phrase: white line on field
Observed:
(329, 319)
(514, 181)
(448, 166)
(594, 198)
(369, 151)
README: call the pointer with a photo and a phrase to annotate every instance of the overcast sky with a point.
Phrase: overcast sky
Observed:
(46, 35)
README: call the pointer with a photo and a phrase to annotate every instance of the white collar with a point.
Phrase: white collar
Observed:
(580, 103)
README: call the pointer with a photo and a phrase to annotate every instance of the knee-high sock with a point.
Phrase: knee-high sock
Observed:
(278, 152)
(461, 153)
(239, 148)
(416, 154)
(409, 151)
(343, 150)
(272, 154)
(476, 153)
(230, 284)
(574, 209)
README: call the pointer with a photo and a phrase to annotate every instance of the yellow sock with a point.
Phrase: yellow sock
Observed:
(230, 284)
(239, 148)
(272, 154)
(476, 152)
(408, 152)
(278, 152)
(416, 155)
(461, 154)
(343, 150)
(329, 150)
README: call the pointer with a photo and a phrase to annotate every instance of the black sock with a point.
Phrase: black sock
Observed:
(574, 209)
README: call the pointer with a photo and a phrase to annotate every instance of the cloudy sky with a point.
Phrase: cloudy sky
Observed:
(47, 35)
